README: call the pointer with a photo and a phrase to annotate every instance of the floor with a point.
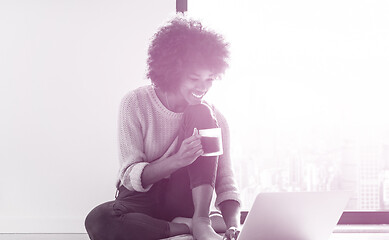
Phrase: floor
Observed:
(44, 236)
(80, 236)
(64, 236)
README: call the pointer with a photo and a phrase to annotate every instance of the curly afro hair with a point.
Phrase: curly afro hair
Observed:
(181, 46)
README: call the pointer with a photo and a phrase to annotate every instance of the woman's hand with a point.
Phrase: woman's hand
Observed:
(231, 234)
(190, 149)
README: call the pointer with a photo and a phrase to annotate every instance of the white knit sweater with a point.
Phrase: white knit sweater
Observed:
(148, 131)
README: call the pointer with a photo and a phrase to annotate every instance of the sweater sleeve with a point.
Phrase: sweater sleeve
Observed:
(226, 187)
(132, 156)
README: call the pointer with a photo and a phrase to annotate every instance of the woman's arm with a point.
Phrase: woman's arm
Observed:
(136, 171)
(189, 151)
(159, 169)
(226, 187)
(228, 199)
(231, 213)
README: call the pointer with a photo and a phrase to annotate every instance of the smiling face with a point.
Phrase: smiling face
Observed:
(195, 85)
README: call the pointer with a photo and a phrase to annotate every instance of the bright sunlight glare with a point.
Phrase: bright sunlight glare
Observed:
(302, 63)
(306, 94)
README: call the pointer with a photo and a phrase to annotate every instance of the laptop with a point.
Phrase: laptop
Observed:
(294, 216)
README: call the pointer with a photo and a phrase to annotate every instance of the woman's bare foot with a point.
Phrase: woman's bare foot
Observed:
(202, 229)
(217, 223)
(183, 220)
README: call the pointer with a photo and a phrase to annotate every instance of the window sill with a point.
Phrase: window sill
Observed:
(376, 218)
(362, 228)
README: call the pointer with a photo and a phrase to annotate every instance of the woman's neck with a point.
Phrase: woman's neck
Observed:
(171, 101)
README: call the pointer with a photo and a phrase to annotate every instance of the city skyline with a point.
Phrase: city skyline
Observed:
(354, 166)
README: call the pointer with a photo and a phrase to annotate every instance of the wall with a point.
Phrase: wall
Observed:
(64, 67)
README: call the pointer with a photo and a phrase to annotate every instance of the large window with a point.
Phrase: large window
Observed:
(306, 95)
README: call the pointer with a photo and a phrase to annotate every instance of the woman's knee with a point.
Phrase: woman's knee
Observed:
(202, 109)
(104, 222)
(200, 115)
(96, 221)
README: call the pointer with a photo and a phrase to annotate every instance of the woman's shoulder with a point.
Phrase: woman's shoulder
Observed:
(137, 95)
(138, 92)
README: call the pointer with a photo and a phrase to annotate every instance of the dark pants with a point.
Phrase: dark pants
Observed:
(143, 216)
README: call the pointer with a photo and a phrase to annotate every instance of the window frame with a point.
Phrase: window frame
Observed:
(352, 217)
(364, 217)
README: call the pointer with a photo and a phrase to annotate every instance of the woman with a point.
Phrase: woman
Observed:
(165, 185)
